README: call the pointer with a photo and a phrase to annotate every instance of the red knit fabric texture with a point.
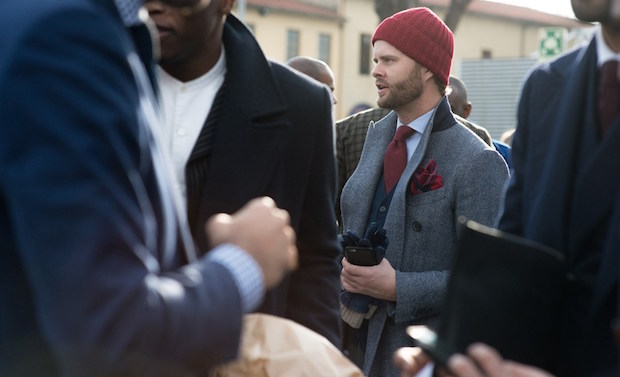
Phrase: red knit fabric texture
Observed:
(421, 35)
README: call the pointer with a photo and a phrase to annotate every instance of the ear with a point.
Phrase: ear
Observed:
(426, 74)
(467, 110)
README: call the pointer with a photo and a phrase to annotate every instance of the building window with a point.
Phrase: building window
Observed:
(325, 47)
(292, 44)
(486, 54)
(365, 54)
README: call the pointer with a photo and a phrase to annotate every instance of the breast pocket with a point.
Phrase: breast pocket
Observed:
(427, 197)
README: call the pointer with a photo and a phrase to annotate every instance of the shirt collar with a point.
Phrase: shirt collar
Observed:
(131, 12)
(218, 70)
(603, 52)
(419, 124)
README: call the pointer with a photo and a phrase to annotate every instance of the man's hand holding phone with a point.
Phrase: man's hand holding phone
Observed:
(361, 255)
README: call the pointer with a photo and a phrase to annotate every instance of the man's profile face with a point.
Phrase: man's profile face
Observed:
(603, 11)
(398, 77)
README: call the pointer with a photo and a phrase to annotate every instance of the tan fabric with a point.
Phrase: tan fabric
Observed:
(277, 347)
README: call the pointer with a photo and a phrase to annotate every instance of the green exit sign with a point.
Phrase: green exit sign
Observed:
(551, 42)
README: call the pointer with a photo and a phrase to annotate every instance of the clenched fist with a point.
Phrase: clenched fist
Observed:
(264, 231)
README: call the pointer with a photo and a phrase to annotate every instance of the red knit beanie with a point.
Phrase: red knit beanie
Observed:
(421, 35)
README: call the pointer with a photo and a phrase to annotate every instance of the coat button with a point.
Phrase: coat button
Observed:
(417, 226)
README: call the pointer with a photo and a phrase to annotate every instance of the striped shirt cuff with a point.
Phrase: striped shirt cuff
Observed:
(245, 272)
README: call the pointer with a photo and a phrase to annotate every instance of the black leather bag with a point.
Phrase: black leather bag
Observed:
(505, 291)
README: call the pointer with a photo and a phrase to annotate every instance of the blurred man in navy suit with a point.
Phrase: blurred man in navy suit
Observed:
(98, 274)
(565, 193)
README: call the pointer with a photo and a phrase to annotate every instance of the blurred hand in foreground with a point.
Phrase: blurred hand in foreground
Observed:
(264, 231)
(481, 361)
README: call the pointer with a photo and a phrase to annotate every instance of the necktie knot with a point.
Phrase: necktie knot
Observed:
(403, 133)
(609, 94)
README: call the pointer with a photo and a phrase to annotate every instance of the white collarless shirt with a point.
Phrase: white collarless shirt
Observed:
(185, 107)
(243, 268)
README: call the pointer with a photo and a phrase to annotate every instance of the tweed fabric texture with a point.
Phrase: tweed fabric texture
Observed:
(350, 137)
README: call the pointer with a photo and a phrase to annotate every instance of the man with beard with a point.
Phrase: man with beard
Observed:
(240, 126)
(419, 171)
(565, 193)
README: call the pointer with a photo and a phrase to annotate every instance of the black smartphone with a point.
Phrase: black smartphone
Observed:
(360, 255)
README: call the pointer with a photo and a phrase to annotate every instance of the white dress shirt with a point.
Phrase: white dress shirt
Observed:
(242, 267)
(604, 53)
(186, 106)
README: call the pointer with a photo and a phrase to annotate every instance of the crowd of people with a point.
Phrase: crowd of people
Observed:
(160, 178)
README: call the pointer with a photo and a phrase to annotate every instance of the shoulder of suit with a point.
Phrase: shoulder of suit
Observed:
(558, 67)
(24, 15)
(365, 116)
(303, 82)
(469, 136)
(297, 87)
(480, 131)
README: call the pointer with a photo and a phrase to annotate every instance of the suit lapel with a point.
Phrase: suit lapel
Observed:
(245, 132)
(609, 271)
(594, 201)
(396, 220)
(171, 231)
(601, 166)
(369, 170)
(559, 168)
(244, 150)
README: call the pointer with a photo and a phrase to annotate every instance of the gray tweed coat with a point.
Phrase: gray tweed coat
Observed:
(423, 228)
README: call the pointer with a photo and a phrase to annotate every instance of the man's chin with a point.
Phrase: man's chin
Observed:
(382, 103)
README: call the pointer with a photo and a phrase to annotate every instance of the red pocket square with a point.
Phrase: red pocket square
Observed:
(426, 179)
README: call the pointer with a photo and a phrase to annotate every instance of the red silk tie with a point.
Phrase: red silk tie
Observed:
(395, 159)
(609, 95)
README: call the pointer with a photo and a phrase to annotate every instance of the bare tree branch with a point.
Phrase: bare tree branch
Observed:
(386, 8)
(455, 11)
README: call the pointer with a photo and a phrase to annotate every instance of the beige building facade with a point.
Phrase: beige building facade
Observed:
(339, 31)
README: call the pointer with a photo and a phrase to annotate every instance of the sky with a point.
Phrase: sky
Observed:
(559, 7)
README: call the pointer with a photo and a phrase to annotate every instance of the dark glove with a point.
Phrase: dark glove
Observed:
(355, 307)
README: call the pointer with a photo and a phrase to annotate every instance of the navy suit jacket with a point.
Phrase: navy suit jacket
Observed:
(565, 192)
(91, 281)
(269, 132)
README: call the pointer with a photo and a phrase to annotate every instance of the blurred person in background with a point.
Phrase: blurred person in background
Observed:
(315, 68)
(419, 171)
(239, 126)
(98, 273)
(565, 191)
